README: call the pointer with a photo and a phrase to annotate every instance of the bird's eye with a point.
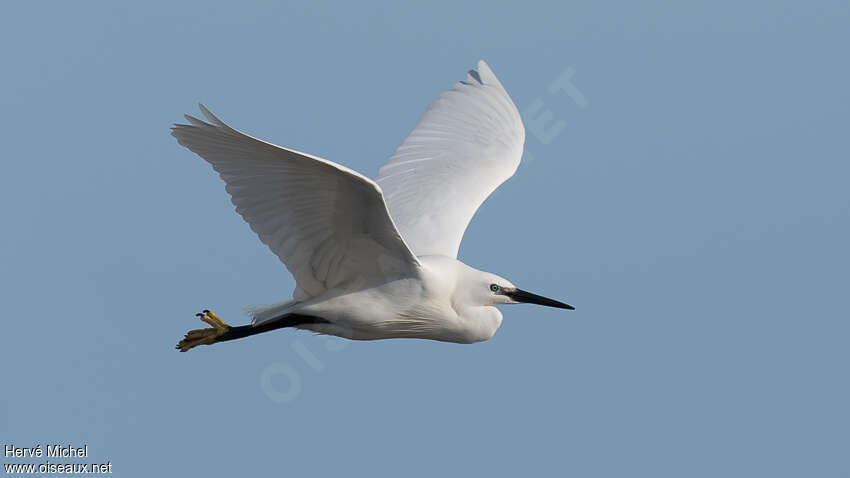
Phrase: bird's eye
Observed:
(494, 287)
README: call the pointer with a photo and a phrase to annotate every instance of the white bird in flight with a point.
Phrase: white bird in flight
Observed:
(376, 259)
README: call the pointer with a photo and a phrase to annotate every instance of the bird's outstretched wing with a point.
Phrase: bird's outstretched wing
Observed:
(328, 224)
(467, 143)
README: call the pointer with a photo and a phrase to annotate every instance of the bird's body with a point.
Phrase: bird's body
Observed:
(376, 259)
(428, 306)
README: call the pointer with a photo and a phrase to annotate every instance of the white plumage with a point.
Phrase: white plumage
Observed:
(467, 143)
(377, 259)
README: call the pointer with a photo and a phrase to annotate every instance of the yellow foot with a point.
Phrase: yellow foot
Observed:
(207, 336)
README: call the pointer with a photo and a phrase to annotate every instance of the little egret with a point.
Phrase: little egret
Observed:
(376, 259)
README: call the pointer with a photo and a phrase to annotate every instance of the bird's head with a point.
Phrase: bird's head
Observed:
(490, 289)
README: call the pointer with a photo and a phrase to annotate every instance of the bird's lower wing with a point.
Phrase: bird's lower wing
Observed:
(328, 224)
(467, 143)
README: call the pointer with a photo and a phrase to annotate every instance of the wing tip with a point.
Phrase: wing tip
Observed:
(486, 73)
(210, 116)
(212, 121)
(481, 75)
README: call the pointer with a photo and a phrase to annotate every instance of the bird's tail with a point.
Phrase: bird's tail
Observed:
(264, 313)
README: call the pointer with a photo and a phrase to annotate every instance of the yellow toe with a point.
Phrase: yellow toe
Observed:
(216, 318)
(197, 337)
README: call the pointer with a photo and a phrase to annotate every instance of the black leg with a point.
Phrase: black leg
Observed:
(290, 320)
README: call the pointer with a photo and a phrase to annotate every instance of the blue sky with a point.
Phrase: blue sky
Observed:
(691, 201)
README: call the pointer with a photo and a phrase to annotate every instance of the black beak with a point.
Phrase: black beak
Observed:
(520, 295)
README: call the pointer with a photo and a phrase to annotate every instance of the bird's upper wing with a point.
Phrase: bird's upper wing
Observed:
(467, 143)
(328, 224)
